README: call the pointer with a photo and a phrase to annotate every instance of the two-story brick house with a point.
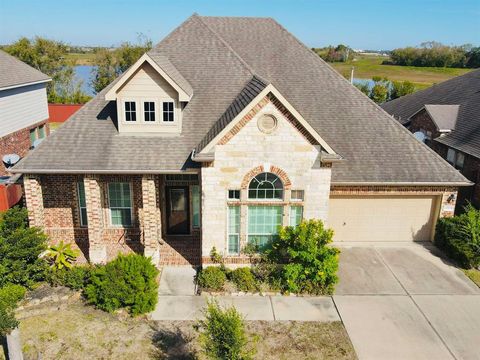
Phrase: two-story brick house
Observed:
(23, 107)
(447, 118)
(224, 131)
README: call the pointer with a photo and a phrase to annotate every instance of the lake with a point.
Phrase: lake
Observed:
(84, 73)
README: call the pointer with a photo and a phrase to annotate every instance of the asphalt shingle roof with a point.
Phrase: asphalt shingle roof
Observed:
(224, 59)
(444, 116)
(15, 72)
(463, 91)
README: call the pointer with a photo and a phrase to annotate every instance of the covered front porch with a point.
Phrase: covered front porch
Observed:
(154, 214)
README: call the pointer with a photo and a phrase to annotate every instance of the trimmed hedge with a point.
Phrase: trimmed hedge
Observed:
(76, 277)
(212, 278)
(127, 282)
(243, 279)
(459, 237)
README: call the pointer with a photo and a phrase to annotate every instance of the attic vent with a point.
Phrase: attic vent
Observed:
(267, 123)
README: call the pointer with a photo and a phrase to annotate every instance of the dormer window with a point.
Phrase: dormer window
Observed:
(130, 111)
(168, 111)
(149, 111)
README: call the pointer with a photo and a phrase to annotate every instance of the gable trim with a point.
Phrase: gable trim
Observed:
(259, 102)
(145, 58)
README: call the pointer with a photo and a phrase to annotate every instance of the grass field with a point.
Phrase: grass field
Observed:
(81, 59)
(368, 66)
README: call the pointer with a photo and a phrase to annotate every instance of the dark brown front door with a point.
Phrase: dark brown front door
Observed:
(178, 210)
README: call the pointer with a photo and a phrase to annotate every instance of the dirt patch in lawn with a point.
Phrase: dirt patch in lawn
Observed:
(72, 330)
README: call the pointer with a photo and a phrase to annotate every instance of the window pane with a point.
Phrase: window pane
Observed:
(234, 194)
(149, 110)
(33, 136)
(177, 199)
(451, 156)
(265, 186)
(460, 160)
(263, 224)
(196, 205)
(121, 217)
(83, 217)
(81, 194)
(41, 132)
(233, 229)
(297, 195)
(120, 203)
(130, 111)
(296, 215)
(168, 111)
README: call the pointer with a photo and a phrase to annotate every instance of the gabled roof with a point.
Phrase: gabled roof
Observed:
(16, 73)
(165, 69)
(444, 116)
(223, 59)
(461, 91)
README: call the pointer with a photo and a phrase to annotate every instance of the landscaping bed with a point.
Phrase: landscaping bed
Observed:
(70, 330)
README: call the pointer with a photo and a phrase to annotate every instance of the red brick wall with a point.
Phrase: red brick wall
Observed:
(423, 121)
(18, 143)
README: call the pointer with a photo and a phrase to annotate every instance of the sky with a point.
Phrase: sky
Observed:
(361, 24)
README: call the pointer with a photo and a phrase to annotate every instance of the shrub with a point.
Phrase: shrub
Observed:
(128, 281)
(10, 295)
(20, 248)
(243, 279)
(222, 334)
(61, 255)
(76, 277)
(459, 237)
(211, 278)
(307, 263)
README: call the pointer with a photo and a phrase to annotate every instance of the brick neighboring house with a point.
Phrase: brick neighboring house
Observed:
(447, 118)
(226, 129)
(23, 107)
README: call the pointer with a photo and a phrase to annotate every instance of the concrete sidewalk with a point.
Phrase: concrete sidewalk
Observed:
(269, 308)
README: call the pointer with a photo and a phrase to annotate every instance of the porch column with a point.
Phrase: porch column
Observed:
(151, 224)
(97, 250)
(34, 200)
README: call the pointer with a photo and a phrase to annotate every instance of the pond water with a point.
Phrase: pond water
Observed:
(369, 82)
(84, 73)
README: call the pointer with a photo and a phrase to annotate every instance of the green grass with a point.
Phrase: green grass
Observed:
(81, 59)
(54, 125)
(368, 66)
(474, 275)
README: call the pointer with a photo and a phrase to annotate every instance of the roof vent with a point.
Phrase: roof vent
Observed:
(267, 123)
(10, 159)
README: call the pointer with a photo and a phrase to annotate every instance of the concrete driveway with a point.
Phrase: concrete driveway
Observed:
(406, 302)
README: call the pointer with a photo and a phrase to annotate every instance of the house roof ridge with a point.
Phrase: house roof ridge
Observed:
(225, 43)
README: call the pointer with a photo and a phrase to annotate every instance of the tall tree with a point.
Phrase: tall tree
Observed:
(111, 63)
(49, 56)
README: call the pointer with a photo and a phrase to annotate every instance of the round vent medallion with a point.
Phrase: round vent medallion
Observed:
(267, 124)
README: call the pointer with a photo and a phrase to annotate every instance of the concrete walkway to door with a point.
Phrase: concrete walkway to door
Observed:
(407, 302)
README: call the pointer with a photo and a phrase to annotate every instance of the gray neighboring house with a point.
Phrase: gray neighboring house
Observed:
(23, 107)
(224, 131)
(446, 117)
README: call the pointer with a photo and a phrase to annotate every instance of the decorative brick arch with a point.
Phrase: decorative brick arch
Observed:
(273, 169)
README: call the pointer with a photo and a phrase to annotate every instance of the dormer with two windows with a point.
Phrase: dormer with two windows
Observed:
(150, 97)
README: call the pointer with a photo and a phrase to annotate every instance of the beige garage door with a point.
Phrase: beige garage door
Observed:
(382, 218)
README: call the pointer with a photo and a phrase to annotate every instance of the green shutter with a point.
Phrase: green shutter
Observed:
(196, 205)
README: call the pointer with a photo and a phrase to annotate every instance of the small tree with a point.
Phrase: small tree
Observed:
(308, 264)
(222, 334)
(60, 256)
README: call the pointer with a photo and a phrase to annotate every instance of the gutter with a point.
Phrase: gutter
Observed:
(24, 84)
(105, 172)
(379, 183)
(207, 157)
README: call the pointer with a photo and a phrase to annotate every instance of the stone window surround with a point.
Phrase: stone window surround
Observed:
(244, 202)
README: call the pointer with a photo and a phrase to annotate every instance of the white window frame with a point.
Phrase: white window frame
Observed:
(239, 230)
(297, 199)
(273, 200)
(231, 198)
(83, 222)
(282, 208)
(138, 117)
(132, 216)
(155, 102)
(174, 112)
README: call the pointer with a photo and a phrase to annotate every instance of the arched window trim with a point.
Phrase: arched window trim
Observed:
(266, 186)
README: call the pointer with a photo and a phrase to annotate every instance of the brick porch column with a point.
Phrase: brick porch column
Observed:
(151, 224)
(34, 200)
(97, 250)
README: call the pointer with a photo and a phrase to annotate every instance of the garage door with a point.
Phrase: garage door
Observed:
(382, 218)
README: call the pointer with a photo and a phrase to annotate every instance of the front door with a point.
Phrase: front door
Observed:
(178, 210)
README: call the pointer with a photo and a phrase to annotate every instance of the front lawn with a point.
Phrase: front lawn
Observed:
(69, 330)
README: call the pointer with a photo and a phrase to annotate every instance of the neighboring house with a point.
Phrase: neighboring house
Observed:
(23, 107)
(59, 113)
(447, 118)
(225, 130)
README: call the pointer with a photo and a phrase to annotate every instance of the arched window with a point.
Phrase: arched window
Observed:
(265, 186)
